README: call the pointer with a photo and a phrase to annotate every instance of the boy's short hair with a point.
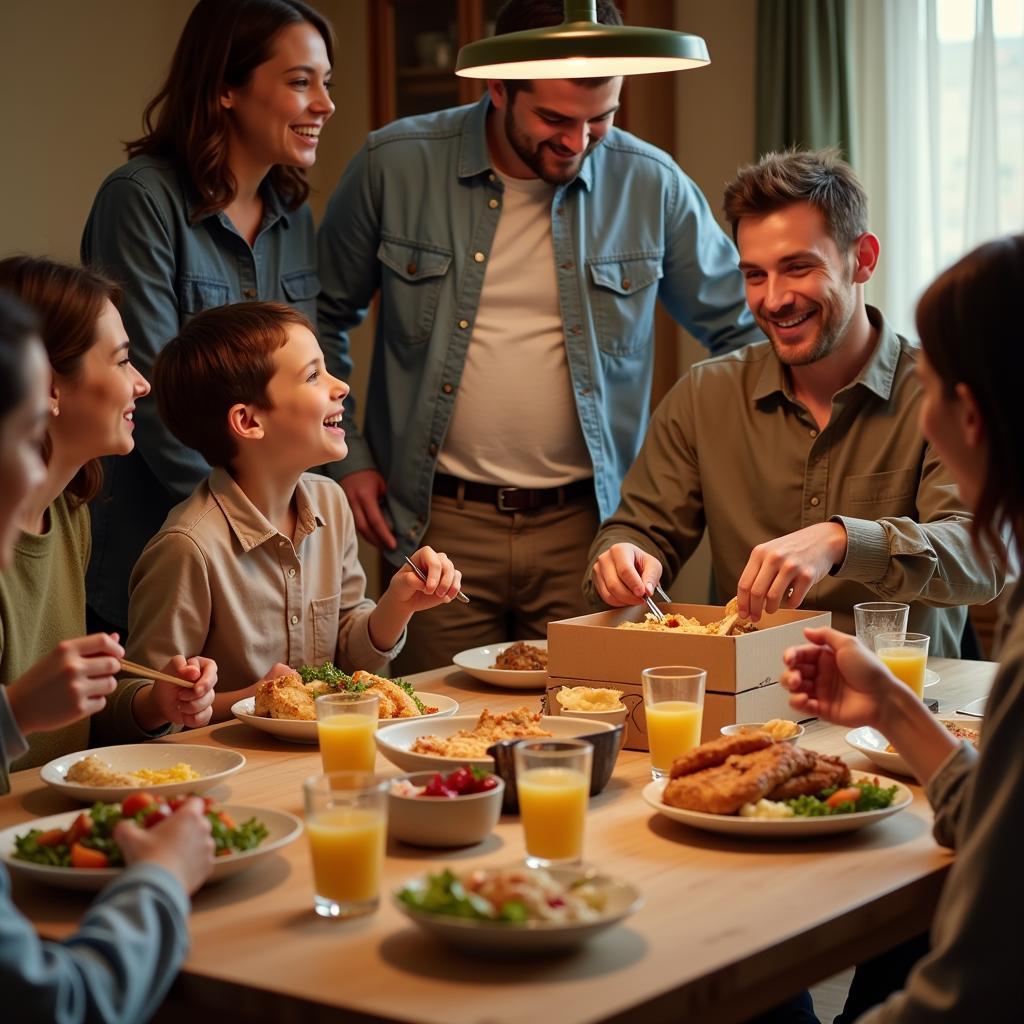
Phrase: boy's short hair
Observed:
(819, 177)
(220, 358)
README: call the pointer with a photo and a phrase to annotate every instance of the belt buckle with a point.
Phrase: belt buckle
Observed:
(502, 492)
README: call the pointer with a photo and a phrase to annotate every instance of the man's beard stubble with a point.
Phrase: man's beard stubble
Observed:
(533, 158)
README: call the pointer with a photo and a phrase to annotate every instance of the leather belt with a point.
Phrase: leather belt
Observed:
(511, 499)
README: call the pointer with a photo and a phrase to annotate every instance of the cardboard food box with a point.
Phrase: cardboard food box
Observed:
(743, 671)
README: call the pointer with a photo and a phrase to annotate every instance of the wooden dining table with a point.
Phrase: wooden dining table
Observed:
(730, 925)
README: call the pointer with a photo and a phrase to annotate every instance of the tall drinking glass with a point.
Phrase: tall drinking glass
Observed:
(906, 657)
(674, 708)
(553, 780)
(873, 617)
(347, 825)
(345, 726)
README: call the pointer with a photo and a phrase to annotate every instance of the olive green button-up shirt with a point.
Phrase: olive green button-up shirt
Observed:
(219, 580)
(731, 449)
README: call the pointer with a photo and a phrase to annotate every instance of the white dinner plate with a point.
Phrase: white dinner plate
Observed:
(214, 765)
(872, 744)
(395, 741)
(780, 828)
(930, 677)
(282, 828)
(305, 732)
(478, 662)
(621, 900)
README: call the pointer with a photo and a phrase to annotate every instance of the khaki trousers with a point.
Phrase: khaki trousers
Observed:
(521, 570)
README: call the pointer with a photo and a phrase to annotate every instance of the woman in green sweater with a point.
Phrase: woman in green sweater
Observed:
(92, 399)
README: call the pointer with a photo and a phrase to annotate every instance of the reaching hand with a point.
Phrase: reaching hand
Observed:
(364, 489)
(180, 705)
(836, 678)
(181, 843)
(73, 681)
(442, 583)
(780, 572)
(624, 573)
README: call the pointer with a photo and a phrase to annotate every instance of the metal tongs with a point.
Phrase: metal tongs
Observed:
(655, 610)
(460, 596)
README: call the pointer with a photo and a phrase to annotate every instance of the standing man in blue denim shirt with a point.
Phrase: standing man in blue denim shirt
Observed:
(519, 246)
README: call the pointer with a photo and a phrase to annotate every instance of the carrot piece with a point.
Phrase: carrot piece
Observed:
(841, 796)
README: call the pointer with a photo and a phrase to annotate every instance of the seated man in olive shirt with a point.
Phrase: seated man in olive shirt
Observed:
(801, 454)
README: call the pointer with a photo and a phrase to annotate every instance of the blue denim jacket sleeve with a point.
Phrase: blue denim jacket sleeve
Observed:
(413, 218)
(116, 968)
(349, 275)
(128, 237)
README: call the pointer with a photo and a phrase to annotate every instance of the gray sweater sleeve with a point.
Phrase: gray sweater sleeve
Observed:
(972, 971)
(116, 968)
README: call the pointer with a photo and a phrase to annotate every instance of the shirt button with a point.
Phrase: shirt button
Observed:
(446, 388)
(815, 501)
(492, 203)
(490, 177)
(295, 620)
(250, 293)
(584, 391)
(626, 282)
(560, 211)
(291, 573)
(814, 433)
(432, 450)
(479, 257)
(463, 324)
(282, 543)
(568, 265)
(411, 269)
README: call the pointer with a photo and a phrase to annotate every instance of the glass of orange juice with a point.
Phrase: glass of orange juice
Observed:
(674, 709)
(906, 657)
(553, 781)
(347, 825)
(346, 724)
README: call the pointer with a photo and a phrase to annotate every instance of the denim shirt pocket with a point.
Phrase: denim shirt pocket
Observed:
(198, 293)
(301, 288)
(624, 295)
(411, 280)
(325, 627)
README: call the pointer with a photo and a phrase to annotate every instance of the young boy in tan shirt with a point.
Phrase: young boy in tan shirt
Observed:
(258, 569)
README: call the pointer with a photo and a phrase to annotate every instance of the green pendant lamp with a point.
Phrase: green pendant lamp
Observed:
(581, 47)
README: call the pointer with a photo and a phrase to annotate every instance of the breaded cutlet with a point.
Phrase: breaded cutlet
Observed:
(742, 779)
(826, 772)
(716, 751)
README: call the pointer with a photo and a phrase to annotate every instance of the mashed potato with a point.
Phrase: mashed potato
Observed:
(766, 809)
(588, 698)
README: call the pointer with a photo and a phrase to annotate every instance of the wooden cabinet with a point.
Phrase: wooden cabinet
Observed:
(414, 44)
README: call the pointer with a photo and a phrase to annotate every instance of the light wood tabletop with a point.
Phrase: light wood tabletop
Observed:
(730, 926)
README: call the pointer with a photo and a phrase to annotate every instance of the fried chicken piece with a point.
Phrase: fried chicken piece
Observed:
(716, 751)
(826, 772)
(285, 697)
(742, 779)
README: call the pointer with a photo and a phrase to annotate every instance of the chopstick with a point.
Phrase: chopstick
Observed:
(151, 673)
(460, 596)
(661, 593)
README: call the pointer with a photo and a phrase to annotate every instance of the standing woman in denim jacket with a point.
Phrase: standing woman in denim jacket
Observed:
(210, 209)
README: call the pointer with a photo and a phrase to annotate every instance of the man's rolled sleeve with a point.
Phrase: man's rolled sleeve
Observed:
(867, 550)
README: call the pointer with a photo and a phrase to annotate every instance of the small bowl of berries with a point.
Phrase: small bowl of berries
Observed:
(436, 809)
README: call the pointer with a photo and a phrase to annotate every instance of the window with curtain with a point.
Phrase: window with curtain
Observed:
(940, 111)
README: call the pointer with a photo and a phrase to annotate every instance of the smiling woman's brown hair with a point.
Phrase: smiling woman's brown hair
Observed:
(968, 321)
(68, 302)
(222, 43)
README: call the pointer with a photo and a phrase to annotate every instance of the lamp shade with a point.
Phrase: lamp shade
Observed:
(581, 47)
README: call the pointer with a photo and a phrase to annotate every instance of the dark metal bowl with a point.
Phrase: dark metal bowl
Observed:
(606, 746)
